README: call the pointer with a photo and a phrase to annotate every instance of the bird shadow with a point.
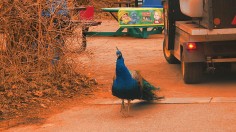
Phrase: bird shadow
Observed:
(142, 105)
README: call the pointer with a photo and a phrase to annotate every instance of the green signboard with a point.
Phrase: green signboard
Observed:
(140, 16)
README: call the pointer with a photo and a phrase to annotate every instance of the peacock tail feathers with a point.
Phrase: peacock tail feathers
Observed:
(146, 88)
(148, 91)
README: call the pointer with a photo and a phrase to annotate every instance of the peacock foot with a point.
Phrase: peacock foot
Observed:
(125, 110)
(122, 108)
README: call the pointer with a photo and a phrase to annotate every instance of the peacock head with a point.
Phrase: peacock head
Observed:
(118, 53)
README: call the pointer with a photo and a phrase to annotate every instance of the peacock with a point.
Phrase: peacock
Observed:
(131, 85)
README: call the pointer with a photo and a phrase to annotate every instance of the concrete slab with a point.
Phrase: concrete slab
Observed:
(189, 100)
(224, 100)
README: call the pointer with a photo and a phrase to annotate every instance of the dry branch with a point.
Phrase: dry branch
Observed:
(35, 54)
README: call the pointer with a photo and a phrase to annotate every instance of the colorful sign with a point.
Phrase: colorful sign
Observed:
(140, 16)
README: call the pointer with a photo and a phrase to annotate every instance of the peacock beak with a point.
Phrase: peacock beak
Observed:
(118, 53)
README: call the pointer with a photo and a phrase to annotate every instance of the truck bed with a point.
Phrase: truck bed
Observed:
(195, 29)
(196, 33)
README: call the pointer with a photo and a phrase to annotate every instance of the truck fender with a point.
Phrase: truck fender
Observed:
(196, 55)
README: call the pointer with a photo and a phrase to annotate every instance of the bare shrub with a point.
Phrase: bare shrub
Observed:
(34, 54)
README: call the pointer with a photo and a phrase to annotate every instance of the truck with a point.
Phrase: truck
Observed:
(199, 34)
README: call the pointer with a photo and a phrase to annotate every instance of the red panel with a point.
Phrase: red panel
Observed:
(87, 14)
(234, 21)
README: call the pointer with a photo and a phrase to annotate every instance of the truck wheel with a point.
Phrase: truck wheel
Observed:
(192, 72)
(170, 58)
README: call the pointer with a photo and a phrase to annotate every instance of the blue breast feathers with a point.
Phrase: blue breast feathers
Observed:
(124, 85)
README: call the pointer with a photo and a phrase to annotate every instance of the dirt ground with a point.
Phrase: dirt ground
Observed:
(145, 55)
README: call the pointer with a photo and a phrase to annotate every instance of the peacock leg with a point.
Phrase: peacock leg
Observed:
(122, 105)
(128, 105)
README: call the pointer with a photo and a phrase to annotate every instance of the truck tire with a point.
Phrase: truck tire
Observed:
(170, 58)
(192, 72)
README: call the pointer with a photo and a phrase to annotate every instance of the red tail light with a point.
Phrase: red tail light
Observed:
(234, 21)
(217, 21)
(191, 46)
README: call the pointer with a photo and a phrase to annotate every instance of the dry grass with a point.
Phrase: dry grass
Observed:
(30, 45)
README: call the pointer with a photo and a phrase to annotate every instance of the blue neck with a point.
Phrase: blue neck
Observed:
(122, 71)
